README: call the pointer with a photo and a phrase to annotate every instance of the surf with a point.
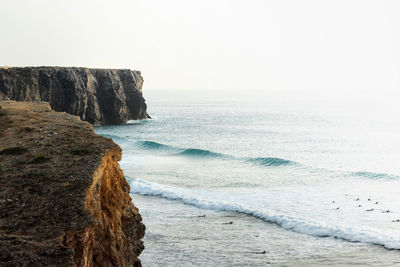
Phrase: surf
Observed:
(152, 145)
(220, 201)
(271, 161)
(194, 152)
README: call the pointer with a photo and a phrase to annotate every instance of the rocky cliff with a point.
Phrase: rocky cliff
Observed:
(99, 96)
(64, 200)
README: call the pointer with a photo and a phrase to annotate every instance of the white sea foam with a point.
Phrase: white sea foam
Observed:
(303, 212)
(140, 121)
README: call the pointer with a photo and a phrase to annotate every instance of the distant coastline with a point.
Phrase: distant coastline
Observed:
(99, 96)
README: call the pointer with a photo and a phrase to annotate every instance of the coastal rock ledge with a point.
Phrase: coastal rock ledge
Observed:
(64, 200)
(99, 96)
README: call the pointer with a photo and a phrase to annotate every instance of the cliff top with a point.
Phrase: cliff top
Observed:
(63, 67)
(52, 172)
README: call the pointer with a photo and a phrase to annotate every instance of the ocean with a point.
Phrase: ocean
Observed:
(264, 180)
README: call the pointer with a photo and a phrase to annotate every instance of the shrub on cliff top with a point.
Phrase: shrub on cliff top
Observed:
(18, 150)
(40, 159)
(80, 152)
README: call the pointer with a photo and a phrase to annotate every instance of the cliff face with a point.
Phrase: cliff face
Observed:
(64, 200)
(99, 96)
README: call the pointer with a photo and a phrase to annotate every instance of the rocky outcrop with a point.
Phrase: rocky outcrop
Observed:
(99, 96)
(64, 200)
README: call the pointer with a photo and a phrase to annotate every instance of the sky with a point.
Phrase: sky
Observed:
(295, 46)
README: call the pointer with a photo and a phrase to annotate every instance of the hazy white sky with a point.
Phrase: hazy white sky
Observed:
(291, 45)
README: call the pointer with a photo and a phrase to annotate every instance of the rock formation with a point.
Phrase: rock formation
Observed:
(99, 96)
(64, 200)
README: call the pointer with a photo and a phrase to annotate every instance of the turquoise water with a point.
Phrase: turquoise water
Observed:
(305, 171)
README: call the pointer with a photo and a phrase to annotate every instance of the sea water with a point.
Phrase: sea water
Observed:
(276, 180)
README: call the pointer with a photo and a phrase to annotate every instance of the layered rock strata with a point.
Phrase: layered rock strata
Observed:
(99, 96)
(64, 200)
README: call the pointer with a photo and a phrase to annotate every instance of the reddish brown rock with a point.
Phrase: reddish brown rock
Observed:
(64, 199)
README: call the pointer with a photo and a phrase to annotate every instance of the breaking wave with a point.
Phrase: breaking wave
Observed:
(374, 175)
(272, 161)
(194, 152)
(219, 201)
(258, 161)
(154, 145)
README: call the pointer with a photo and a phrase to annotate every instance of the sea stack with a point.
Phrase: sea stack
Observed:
(64, 200)
(99, 96)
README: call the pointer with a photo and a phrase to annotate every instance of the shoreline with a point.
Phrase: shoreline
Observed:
(217, 242)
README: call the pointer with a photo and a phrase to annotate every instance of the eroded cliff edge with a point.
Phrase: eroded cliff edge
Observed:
(64, 199)
(99, 96)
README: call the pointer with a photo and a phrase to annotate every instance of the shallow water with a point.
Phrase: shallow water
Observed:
(310, 181)
(177, 236)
